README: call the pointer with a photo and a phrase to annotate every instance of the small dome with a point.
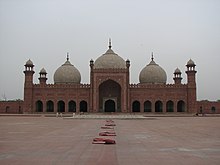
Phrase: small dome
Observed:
(153, 73)
(177, 71)
(29, 63)
(109, 60)
(43, 71)
(190, 63)
(67, 73)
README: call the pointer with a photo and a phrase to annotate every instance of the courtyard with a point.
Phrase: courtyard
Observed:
(29, 140)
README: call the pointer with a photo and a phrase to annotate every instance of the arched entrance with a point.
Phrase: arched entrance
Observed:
(109, 96)
(169, 106)
(72, 106)
(61, 106)
(39, 106)
(180, 106)
(213, 109)
(7, 109)
(83, 106)
(158, 106)
(50, 106)
(109, 105)
(136, 106)
(147, 106)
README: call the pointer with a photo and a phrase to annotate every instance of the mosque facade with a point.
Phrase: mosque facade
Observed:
(109, 89)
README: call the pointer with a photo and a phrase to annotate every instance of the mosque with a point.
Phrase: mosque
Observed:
(109, 89)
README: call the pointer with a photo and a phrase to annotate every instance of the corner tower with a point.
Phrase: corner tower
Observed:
(191, 86)
(28, 86)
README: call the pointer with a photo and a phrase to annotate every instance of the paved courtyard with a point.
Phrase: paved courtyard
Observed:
(152, 140)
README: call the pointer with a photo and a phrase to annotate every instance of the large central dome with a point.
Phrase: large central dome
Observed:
(109, 60)
(67, 74)
(153, 74)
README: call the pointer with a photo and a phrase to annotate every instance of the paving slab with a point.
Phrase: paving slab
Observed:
(156, 140)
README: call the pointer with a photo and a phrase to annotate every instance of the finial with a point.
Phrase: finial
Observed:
(110, 43)
(152, 56)
(67, 56)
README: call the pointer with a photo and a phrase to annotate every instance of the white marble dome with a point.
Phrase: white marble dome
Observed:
(153, 74)
(67, 74)
(109, 60)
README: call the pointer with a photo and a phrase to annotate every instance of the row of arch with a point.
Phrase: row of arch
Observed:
(61, 107)
(83, 105)
(158, 107)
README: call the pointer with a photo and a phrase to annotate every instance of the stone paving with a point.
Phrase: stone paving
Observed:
(65, 141)
(121, 116)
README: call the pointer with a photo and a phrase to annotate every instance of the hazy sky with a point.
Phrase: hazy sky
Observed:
(45, 30)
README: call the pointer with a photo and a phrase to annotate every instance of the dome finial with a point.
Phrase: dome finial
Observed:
(67, 56)
(110, 43)
(152, 56)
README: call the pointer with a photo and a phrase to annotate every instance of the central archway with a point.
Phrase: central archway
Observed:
(110, 106)
(109, 96)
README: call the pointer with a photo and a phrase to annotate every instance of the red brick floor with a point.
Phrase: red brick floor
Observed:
(155, 140)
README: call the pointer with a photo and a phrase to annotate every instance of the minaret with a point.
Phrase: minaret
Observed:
(177, 76)
(91, 85)
(128, 84)
(28, 86)
(191, 86)
(191, 73)
(43, 76)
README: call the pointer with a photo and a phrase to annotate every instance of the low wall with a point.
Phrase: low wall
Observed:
(11, 106)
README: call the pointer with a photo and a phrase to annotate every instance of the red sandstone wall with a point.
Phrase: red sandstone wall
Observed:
(64, 92)
(11, 106)
(210, 107)
(164, 93)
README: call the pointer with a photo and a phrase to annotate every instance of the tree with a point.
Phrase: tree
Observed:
(4, 97)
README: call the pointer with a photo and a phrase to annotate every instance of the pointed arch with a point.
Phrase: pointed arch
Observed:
(147, 106)
(109, 105)
(169, 106)
(213, 109)
(7, 109)
(50, 106)
(72, 106)
(39, 106)
(83, 106)
(136, 106)
(109, 89)
(61, 106)
(158, 106)
(181, 106)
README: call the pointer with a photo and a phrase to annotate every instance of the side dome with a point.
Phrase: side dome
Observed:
(67, 74)
(109, 60)
(153, 74)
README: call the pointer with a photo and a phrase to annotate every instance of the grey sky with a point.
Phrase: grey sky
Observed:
(45, 30)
